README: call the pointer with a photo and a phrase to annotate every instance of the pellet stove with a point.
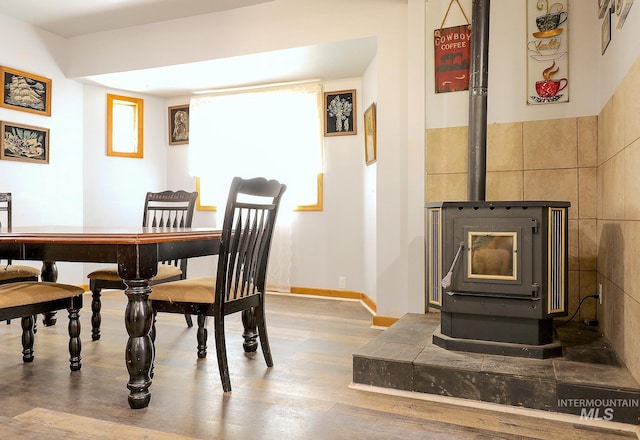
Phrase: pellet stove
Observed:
(497, 271)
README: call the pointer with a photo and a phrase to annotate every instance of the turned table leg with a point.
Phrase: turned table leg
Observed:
(140, 351)
(49, 272)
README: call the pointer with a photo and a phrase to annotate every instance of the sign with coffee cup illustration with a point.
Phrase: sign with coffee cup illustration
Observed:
(547, 51)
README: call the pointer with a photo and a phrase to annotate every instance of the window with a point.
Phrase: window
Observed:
(124, 126)
(274, 133)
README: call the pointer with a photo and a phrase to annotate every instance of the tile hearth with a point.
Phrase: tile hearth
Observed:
(587, 380)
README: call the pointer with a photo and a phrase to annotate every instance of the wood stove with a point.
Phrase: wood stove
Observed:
(498, 272)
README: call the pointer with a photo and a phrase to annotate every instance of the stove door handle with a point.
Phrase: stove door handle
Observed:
(446, 281)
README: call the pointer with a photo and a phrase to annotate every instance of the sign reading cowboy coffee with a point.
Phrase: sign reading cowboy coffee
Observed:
(452, 49)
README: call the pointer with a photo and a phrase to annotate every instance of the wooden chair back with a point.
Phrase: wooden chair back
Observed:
(170, 209)
(5, 210)
(5, 216)
(247, 231)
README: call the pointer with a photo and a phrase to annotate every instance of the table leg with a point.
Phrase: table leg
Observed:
(140, 351)
(250, 333)
(49, 272)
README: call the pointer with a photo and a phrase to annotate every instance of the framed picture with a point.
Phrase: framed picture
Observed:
(24, 143)
(339, 113)
(179, 125)
(548, 76)
(370, 148)
(606, 32)
(25, 91)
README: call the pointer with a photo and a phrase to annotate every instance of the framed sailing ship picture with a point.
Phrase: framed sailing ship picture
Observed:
(25, 91)
(24, 143)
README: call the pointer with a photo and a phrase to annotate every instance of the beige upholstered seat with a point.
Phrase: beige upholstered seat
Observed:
(34, 292)
(167, 209)
(29, 298)
(15, 273)
(195, 290)
(240, 279)
(110, 273)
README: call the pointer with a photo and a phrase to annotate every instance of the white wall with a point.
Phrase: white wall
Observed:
(506, 101)
(415, 178)
(45, 194)
(369, 196)
(85, 174)
(115, 187)
(328, 244)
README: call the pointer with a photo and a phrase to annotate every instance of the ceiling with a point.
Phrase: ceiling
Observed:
(72, 18)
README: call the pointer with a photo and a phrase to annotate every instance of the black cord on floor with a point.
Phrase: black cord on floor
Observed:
(577, 310)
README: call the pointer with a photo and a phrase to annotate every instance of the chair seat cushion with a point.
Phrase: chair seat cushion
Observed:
(193, 290)
(110, 273)
(18, 271)
(167, 271)
(33, 292)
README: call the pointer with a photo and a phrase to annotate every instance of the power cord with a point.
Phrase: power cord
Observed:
(577, 310)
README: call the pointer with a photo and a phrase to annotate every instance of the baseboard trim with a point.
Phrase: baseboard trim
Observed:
(338, 293)
(366, 301)
(383, 321)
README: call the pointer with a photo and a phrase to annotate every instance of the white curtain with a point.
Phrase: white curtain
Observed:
(276, 134)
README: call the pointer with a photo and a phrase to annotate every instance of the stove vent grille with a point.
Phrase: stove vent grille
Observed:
(557, 260)
(435, 256)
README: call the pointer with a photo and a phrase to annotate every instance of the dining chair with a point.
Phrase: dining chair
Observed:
(13, 273)
(239, 283)
(27, 299)
(167, 209)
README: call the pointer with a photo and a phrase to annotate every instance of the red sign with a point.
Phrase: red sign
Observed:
(452, 53)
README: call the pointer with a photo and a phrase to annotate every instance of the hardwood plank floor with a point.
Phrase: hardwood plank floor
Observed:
(306, 395)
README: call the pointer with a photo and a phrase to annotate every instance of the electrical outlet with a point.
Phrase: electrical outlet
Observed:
(600, 292)
(342, 282)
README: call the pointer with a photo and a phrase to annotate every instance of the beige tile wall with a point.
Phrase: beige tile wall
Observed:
(593, 162)
(618, 219)
(536, 160)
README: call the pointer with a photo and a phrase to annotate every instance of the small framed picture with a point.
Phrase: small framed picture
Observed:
(24, 143)
(25, 91)
(179, 125)
(370, 148)
(339, 113)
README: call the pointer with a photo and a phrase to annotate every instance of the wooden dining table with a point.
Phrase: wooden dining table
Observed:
(137, 252)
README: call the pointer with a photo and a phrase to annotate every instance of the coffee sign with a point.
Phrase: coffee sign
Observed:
(452, 48)
(547, 51)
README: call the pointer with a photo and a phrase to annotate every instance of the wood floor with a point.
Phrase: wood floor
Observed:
(306, 395)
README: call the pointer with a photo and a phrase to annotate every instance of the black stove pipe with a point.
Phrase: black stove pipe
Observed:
(478, 79)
